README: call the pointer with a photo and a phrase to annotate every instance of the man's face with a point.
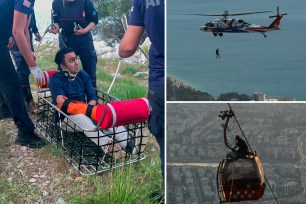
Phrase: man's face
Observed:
(71, 63)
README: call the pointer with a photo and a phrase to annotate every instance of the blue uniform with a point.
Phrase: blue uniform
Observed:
(151, 14)
(22, 67)
(32, 29)
(79, 89)
(10, 92)
(80, 12)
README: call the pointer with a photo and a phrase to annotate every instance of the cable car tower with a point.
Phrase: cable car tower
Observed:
(239, 178)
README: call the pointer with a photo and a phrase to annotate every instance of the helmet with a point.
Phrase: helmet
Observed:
(237, 137)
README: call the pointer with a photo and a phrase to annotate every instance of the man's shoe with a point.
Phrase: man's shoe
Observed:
(30, 139)
(130, 146)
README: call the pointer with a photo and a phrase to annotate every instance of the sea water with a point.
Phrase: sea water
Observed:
(275, 65)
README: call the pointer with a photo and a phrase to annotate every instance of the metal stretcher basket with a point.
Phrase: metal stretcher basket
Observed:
(87, 156)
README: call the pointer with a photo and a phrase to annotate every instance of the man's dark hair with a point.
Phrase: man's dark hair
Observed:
(60, 55)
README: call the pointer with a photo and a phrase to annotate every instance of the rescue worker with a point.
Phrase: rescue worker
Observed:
(243, 150)
(76, 18)
(22, 67)
(15, 17)
(217, 53)
(149, 15)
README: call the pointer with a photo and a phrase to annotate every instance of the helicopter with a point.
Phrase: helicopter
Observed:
(227, 25)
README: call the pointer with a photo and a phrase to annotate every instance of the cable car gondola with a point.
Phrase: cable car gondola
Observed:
(239, 179)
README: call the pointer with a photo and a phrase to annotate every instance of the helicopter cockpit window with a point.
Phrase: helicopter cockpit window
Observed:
(240, 21)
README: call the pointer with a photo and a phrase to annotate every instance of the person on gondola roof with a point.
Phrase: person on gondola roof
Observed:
(241, 150)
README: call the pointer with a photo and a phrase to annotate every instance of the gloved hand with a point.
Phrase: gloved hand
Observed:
(116, 54)
(38, 76)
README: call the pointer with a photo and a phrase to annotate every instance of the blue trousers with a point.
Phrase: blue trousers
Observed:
(157, 119)
(11, 96)
(22, 68)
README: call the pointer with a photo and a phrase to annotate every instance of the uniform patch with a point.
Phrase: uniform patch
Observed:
(83, 14)
(26, 3)
(152, 3)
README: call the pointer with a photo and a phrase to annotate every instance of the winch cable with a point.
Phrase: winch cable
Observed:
(48, 29)
(252, 152)
(107, 93)
(125, 25)
(240, 128)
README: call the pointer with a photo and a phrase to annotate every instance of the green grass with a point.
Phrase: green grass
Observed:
(17, 191)
(129, 70)
(131, 184)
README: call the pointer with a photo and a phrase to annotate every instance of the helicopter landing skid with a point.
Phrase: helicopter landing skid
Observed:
(216, 34)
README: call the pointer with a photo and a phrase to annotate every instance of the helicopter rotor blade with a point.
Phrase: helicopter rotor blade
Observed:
(195, 14)
(227, 14)
(284, 14)
(239, 14)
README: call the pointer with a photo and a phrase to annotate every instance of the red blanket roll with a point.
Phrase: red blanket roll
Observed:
(123, 112)
(47, 75)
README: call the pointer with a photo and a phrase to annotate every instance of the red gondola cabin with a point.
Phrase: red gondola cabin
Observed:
(240, 180)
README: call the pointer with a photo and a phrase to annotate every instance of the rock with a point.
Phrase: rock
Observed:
(60, 201)
(32, 180)
(45, 193)
(146, 43)
(10, 179)
(141, 73)
(48, 50)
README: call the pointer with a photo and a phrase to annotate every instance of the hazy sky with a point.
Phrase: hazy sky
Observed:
(43, 7)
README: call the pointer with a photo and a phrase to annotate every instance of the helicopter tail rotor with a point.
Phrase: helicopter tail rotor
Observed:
(277, 13)
(275, 24)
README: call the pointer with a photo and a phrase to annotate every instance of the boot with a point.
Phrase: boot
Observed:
(29, 139)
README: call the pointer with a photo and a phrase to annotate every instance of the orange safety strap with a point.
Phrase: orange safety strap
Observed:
(78, 107)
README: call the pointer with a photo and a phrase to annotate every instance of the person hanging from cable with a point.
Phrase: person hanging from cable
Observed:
(217, 53)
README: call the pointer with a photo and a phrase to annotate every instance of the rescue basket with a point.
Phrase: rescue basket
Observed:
(91, 152)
